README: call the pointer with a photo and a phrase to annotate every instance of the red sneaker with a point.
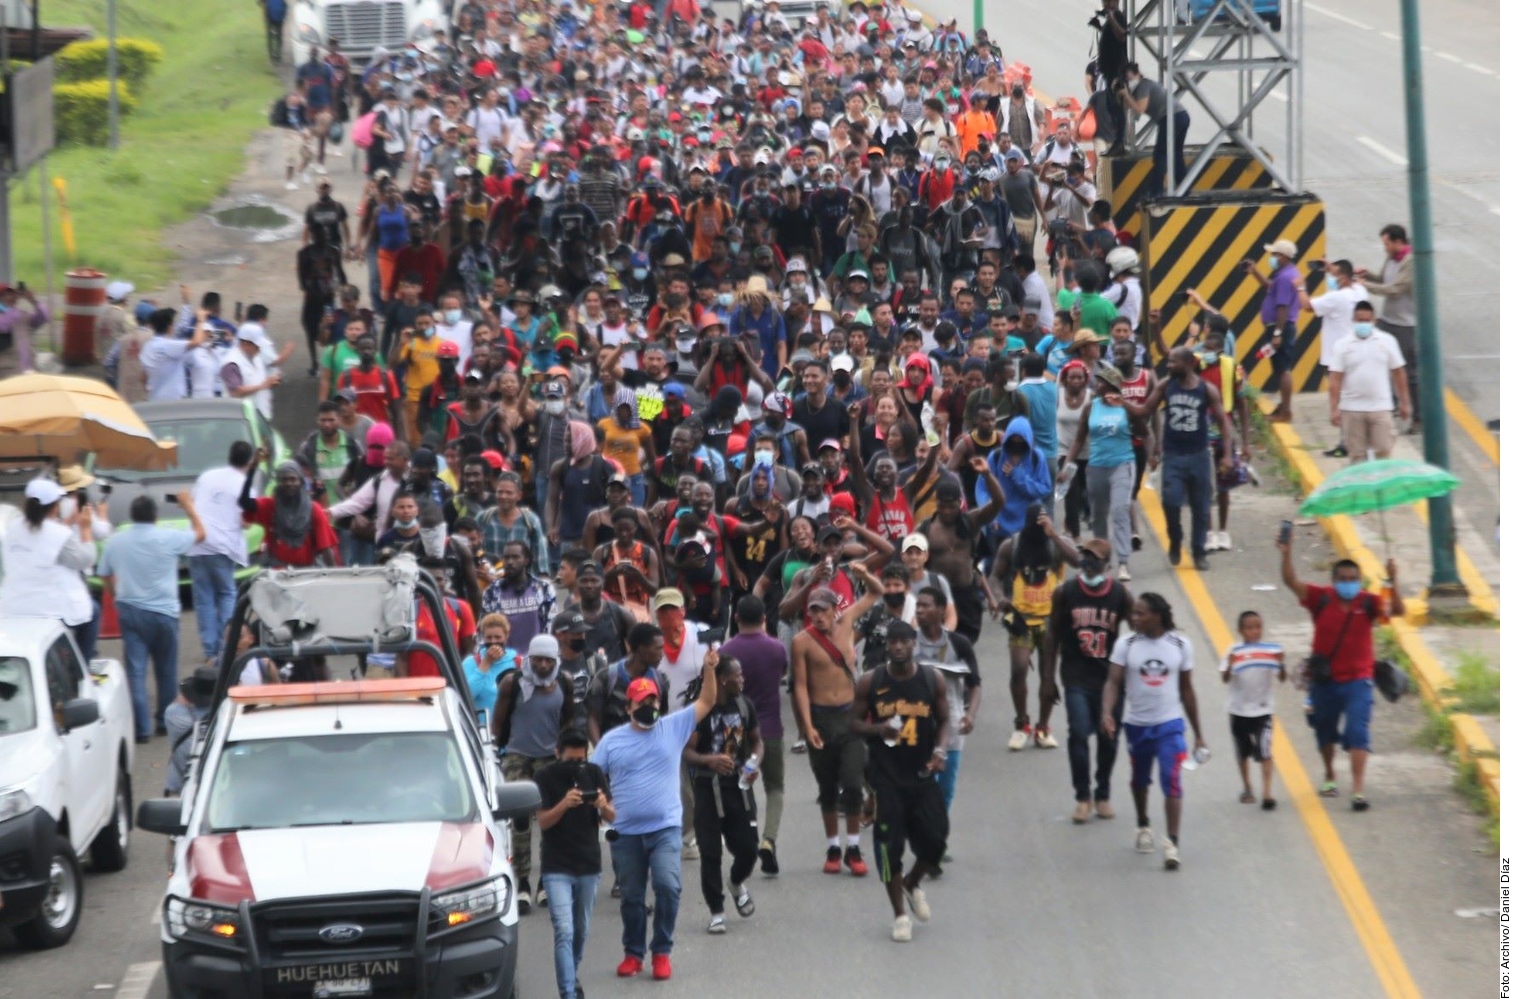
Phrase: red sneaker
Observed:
(855, 862)
(630, 967)
(662, 968)
(833, 860)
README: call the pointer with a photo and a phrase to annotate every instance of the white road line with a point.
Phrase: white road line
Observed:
(1383, 150)
(138, 980)
(1391, 36)
(1486, 71)
(1337, 17)
(1449, 57)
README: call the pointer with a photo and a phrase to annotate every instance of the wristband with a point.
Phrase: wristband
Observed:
(939, 751)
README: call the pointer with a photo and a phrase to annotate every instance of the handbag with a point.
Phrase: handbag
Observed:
(1391, 681)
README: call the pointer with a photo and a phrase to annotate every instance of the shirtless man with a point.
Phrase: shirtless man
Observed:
(825, 672)
(599, 527)
(951, 533)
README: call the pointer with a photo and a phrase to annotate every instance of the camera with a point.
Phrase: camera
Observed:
(1094, 22)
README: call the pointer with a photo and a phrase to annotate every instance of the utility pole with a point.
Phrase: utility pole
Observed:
(112, 74)
(1433, 414)
(978, 17)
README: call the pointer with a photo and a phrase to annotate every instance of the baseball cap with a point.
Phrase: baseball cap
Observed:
(640, 689)
(44, 491)
(667, 597)
(1098, 547)
(830, 442)
(775, 403)
(916, 540)
(347, 394)
(552, 390)
(1285, 247)
(589, 568)
(570, 621)
(827, 533)
(842, 362)
(822, 597)
(675, 389)
(618, 479)
(813, 468)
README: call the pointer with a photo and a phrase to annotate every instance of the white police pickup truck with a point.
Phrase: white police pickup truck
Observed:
(341, 838)
(66, 752)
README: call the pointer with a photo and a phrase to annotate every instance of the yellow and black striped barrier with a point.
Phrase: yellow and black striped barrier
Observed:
(1124, 180)
(1199, 241)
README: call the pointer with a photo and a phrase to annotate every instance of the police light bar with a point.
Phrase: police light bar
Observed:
(290, 694)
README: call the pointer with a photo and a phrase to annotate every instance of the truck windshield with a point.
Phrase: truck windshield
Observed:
(18, 707)
(332, 780)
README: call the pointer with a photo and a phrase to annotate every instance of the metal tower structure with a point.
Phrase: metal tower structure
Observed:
(1264, 53)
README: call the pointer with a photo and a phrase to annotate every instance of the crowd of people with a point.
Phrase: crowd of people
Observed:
(709, 362)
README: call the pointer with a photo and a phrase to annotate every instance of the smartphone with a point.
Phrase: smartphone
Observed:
(1318, 266)
(1285, 531)
(171, 498)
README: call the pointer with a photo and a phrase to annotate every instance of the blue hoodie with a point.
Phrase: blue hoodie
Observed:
(1024, 484)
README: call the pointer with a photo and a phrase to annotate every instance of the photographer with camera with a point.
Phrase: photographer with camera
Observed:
(575, 800)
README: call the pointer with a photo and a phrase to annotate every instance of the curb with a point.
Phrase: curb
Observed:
(1472, 745)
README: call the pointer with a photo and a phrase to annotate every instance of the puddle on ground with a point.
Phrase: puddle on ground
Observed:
(262, 221)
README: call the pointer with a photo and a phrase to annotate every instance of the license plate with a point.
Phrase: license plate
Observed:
(343, 987)
(336, 979)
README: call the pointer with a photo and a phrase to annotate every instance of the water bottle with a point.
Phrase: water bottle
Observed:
(1061, 492)
(749, 775)
(1201, 756)
(895, 724)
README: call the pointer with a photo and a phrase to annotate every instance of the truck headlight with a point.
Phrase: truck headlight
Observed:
(201, 919)
(308, 34)
(476, 902)
(13, 802)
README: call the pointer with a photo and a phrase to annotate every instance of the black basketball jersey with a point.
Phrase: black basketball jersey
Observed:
(1085, 626)
(914, 701)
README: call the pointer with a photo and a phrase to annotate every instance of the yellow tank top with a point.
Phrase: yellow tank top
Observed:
(1035, 602)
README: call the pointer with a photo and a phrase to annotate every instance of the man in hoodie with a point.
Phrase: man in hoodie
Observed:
(1023, 475)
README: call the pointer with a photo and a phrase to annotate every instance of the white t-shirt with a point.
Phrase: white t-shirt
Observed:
(460, 333)
(215, 494)
(614, 336)
(1254, 667)
(1335, 311)
(681, 672)
(488, 124)
(1152, 669)
(1128, 305)
(1365, 365)
(204, 364)
(163, 360)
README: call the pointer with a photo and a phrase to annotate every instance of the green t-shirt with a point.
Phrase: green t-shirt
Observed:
(1096, 313)
(338, 358)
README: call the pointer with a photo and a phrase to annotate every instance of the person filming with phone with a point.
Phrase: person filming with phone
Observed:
(1340, 667)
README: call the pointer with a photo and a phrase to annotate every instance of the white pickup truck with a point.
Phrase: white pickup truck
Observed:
(66, 750)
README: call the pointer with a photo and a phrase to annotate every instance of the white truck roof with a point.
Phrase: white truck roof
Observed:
(27, 632)
(249, 724)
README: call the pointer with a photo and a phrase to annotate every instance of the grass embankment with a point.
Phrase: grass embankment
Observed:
(178, 150)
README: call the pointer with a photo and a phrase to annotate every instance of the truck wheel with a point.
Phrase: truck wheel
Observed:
(56, 921)
(108, 852)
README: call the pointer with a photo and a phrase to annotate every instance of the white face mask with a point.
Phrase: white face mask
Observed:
(555, 406)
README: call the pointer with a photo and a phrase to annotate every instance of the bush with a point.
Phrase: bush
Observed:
(81, 111)
(85, 61)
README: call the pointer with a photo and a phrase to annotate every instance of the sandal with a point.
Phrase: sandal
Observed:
(1247, 798)
(1359, 803)
(1328, 789)
(1268, 804)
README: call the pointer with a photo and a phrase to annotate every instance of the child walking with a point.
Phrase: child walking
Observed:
(1250, 668)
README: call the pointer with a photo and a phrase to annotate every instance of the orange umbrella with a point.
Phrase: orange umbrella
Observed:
(64, 417)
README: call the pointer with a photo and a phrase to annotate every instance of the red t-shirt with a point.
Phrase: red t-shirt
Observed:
(319, 538)
(376, 389)
(892, 518)
(1353, 659)
(459, 618)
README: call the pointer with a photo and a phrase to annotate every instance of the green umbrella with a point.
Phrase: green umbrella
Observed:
(1378, 485)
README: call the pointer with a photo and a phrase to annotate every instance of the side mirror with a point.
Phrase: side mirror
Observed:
(516, 799)
(162, 815)
(79, 712)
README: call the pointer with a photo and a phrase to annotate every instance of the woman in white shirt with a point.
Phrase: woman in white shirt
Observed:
(44, 561)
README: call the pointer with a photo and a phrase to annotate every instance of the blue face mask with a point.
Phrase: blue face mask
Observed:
(1332, 283)
(453, 316)
(1348, 590)
(640, 273)
(1362, 330)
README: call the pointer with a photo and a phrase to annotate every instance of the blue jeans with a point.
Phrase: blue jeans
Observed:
(213, 584)
(355, 551)
(1084, 705)
(638, 485)
(147, 633)
(948, 777)
(1187, 479)
(570, 899)
(636, 857)
(87, 634)
(1160, 151)
(1343, 712)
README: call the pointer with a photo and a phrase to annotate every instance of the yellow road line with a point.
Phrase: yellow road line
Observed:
(1382, 952)
(1472, 426)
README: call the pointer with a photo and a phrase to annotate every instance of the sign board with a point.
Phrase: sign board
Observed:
(26, 124)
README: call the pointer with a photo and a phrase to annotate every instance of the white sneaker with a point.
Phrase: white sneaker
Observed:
(1170, 855)
(1211, 544)
(1018, 739)
(305, 177)
(1046, 740)
(916, 898)
(717, 924)
(1223, 541)
(1144, 841)
(902, 932)
(691, 851)
(321, 169)
(290, 185)
(1123, 574)
(742, 899)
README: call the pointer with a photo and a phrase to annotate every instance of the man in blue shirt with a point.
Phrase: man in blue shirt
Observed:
(1039, 390)
(1280, 312)
(140, 569)
(642, 761)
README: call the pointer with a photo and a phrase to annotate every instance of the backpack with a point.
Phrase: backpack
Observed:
(278, 113)
(362, 130)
